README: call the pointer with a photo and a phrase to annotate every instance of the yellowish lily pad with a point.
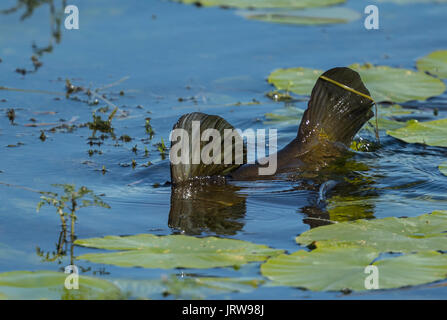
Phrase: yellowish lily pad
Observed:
(434, 63)
(432, 133)
(174, 251)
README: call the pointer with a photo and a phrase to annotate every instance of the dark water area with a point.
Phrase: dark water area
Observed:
(179, 59)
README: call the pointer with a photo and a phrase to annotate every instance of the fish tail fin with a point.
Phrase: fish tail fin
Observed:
(339, 106)
(199, 150)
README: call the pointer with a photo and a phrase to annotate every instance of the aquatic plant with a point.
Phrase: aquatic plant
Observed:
(67, 205)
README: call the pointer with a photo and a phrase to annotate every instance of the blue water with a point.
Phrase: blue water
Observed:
(171, 51)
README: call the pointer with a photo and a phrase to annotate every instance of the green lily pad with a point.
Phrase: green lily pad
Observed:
(398, 85)
(443, 168)
(434, 63)
(426, 232)
(384, 83)
(414, 1)
(50, 285)
(174, 251)
(323, 269)
(386, 124)
(296, 4)
(186, 287)
(314, 16)
(286, 116)
(432, 133)
(387, 116)
(339, 268)
(412, 269)
(297, 80)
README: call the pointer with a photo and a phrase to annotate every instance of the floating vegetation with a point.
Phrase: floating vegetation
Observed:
(148, 128)
(11, 114)
(279, 96)
(161, 147)
(344, 268)
(91, 152)
(414, 1)
(174, 251)
(435, 63)
(314, 16)
(425, 232)
(298, 80)
(443, 168)
(98, 124)
(384, 83)
(251, 4)
(68, 203)
(432, 133)
(39, 285)
(125, 138)
(398, 85)
(18, 144)
(42, 136)
(148, 164)
(286, 116)
(186, 287)
(344, 250)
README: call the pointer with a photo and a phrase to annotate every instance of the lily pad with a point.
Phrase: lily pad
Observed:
(323, 269)
(286, 116)
(340, 268)
(385, 124)
(383, 82)
(186, 287)
(387, 116)
(296, 4)
(314, 16)
(174, 251)
(434, 63)
(297, 80)
(443, 168)
(414, 1)
(412, 269)
(426, 232)
(398, 85)
(432, 133)
(50, 285)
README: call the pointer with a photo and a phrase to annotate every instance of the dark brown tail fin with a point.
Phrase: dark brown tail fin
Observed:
(335, 113)
(220, 163)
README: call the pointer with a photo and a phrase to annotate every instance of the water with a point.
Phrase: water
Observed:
(212, 59)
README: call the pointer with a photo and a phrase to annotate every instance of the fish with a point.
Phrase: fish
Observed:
(339, 106)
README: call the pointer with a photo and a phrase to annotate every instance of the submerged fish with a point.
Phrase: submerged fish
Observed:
(339, 106)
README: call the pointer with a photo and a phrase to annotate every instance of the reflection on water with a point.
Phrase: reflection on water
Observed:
(56, 16)
(207, 207)
(217, 207)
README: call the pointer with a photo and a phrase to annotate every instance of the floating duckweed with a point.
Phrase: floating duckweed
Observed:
(125, 138)
(11, 114)
(42, 136)
(279, 96)
(148, 128)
